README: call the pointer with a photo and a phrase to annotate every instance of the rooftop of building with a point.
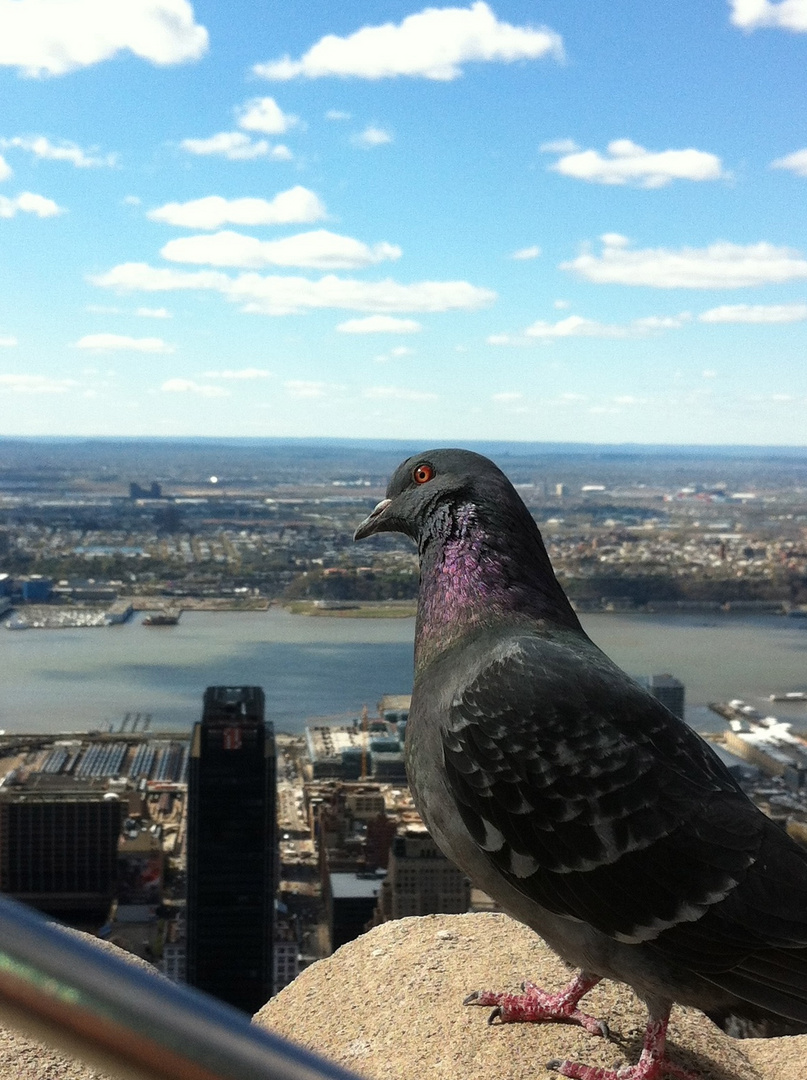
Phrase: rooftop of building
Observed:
(731, 761)
(57, 795)
(662, 680)
(354, 886)
(394, 703)
(330, 742)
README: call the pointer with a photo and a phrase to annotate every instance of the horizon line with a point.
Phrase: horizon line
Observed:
(397, 443)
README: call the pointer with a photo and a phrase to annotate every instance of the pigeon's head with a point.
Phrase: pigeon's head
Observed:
(481, 554)
(437, 480)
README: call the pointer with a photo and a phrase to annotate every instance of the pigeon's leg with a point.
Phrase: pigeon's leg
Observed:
(538, 1006)
(652, 1064)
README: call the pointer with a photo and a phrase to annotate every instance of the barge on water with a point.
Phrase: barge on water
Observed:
(162, 618)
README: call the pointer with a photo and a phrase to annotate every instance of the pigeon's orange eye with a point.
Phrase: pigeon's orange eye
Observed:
(422, 474)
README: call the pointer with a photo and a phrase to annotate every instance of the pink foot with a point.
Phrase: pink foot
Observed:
(652, 1065)
(536, 1006)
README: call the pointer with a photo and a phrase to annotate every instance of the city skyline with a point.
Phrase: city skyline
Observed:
(442, 223)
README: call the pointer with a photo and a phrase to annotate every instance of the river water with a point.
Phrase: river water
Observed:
(75, 680)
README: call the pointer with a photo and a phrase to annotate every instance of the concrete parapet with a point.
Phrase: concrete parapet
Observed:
(389, 1006)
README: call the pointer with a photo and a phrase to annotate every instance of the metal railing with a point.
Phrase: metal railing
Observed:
(63, 991)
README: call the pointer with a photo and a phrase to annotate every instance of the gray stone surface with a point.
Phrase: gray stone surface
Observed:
(389, 1006)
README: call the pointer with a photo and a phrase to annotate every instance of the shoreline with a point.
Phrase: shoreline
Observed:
(349, 609)
(346, 609)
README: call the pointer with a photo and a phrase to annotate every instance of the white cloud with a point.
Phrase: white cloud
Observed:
(8, 342)
(397, 393)
(338, 114)
(42, 148)
(392, 354)
(795, 162)
(628, 163)
(615, 240)
(527, 253)
(785, 15)
(575, 326)
(188, 386)
(153, 313)
(242, 373)
(559, 146)
(35, 384)
(274, 295)
(432, 44)
(372, 136)
(5, 168)
(265, 115)
(319, 249)
(140, 277)
(52, 37)
(755, 313)
(301, 388)
(286, 295)
(28, 203)
(720, 266)
(379, 324)
(261, 114)
(652, 323)
(297, 205)
(233, 145)
(122, 343)
(507, 397)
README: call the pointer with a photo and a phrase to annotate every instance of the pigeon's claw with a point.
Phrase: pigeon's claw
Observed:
(535, 1005)
(643, 1070)
(483, 997)
(652, 1065)
(603, 1029)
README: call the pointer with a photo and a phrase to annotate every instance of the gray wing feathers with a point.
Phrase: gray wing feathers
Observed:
(598, 804)
(572, 780)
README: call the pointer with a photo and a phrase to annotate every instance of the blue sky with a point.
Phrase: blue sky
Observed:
(505, 220)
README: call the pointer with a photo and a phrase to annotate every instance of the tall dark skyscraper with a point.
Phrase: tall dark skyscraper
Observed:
(232, 848)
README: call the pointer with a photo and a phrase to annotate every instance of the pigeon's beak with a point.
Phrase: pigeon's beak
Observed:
(373, 522)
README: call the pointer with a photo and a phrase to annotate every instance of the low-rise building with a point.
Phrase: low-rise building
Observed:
(350, 901)
(421, 880)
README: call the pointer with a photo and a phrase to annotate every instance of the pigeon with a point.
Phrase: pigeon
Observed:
(571, 795)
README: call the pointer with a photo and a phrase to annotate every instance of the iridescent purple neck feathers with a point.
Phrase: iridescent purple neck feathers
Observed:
(473, 575)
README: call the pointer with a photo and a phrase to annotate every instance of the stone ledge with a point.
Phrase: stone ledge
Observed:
(389, 1006)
